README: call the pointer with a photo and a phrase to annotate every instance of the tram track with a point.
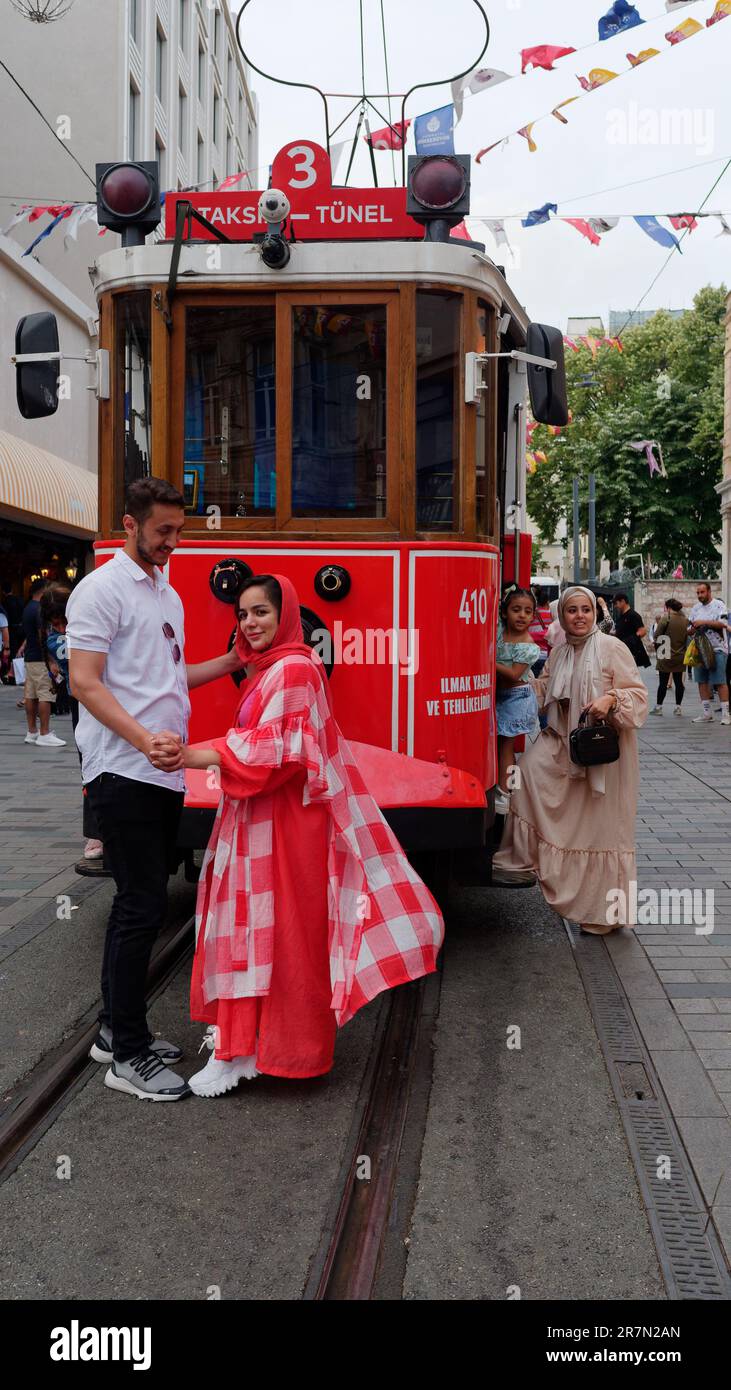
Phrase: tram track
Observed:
(33, 1106)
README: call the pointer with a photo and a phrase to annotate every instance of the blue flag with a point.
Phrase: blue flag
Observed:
(540, 215)
(47, 230)
(434, 131)
(621, 16)
(659, 234)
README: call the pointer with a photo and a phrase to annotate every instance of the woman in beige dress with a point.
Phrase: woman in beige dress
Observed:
(573, 827)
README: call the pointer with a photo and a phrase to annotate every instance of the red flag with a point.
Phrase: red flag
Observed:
(570, 343)
(584, 228)
(389, 138)
(683, 220)
(52, 211)
(461, 231)
(543, 55)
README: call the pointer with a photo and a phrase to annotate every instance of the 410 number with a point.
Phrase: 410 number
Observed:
(473, 608)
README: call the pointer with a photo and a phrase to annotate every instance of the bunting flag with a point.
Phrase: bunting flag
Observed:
(232, 180)
(569, 342)
(615, 343)
(526, 132)
(648, 447)
(672, 5)
(497, 229)
(725, 226)
(622, 15)
(52, 210)
(583, 226)
(602, 225)
(481, 153)
(597, 77)
(476, 81)
(390, 137)
(636, 58)
(722, 11)
(336, 154)
(62, 213)
(22, 215)
(84, 212)
(591, 344)
(530, 463)
(558, 109)
(544, 55)
(460, 231)
(683, 221)
(661, 235)
(686, 30)
(434, 131)
(540, 215)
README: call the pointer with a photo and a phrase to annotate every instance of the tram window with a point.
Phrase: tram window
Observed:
(339, 410)
(437, 409)
(230, 416)
(484, 442)
(133, 387)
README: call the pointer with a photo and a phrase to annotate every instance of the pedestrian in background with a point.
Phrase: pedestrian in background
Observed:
(39, 695)
(4, 644)
(629, 627)
(571, 826)
(671, 639)
(710, 616)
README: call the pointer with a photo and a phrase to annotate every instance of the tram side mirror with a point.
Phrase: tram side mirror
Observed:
(547, 385)
(36, 383)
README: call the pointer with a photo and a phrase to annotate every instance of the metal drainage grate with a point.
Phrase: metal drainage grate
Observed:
(690, 1255)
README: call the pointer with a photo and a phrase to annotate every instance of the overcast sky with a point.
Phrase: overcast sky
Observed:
(664, 128)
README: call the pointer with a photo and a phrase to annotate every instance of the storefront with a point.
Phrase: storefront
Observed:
(48, 519)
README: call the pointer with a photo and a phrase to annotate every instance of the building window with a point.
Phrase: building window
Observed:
(183, 24)
(183, 122)
(200, 173)
(134, 20)
(201, 73)
(240, 129)
(229, 81)
(160, 157)
(216, 32)
(134, 121)
(216, 117)
(229, 154)
(160, 46)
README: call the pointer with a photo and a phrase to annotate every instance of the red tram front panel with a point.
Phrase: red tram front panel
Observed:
(453, 597)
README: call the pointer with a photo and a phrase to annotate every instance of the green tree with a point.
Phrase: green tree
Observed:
(666, 385)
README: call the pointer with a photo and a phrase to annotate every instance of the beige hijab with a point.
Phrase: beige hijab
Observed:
(575, 675)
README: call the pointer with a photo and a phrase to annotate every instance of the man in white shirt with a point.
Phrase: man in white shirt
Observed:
(710, 615)
(126, 642)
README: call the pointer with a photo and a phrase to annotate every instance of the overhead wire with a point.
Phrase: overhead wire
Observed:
(388, 90)
(47, 123)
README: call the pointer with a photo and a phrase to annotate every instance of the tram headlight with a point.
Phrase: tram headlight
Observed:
(438, 192)
(128, 199)
(274, 251)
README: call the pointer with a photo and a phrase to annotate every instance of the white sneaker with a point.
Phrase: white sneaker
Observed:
(50, 741)
(678, 711)
(218, 1076)
(31, 738)
(656, 710)
(726, 718)
(704, 719)
(502, 802)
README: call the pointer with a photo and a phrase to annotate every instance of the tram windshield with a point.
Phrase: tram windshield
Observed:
(437, 408)
(339, 410)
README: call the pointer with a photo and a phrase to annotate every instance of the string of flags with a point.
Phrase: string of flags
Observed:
(594, 229)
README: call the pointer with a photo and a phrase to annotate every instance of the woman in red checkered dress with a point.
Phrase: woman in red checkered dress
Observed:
(307, 906)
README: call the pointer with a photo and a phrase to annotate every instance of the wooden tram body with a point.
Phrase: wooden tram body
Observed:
(317, 418)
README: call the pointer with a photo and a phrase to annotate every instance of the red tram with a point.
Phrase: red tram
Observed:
(338, 387)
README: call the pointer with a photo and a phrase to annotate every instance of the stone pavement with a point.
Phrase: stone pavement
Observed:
(677, 975)
(40, 827)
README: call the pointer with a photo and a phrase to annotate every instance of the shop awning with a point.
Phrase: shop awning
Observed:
(41, 489)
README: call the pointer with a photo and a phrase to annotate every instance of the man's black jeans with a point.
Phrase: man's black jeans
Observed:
(138, 822)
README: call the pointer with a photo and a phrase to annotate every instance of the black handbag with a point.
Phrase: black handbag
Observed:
(591, 744)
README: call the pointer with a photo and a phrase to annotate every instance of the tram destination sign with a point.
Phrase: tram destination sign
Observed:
(319, 211)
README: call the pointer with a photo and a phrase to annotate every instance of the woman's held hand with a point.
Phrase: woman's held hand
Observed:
(600, 708)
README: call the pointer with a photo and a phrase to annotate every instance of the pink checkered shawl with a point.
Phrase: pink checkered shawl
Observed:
(384, 926)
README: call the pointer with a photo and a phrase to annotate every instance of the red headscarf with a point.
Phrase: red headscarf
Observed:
(288, 639)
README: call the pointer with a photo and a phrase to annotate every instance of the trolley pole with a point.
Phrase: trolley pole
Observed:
(577, 538)
(592, 528)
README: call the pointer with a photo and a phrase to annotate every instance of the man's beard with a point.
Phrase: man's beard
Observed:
(143, 551)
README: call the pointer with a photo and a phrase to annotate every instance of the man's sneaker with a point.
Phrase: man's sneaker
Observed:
(31, 738)
(146, 1077)
(102, 1049)
(726, 718)
(704, 719)
(656, 710)
(502, 802)
(50, 741)
(678, 710)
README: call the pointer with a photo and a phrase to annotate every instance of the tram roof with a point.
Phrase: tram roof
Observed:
(315, 265)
